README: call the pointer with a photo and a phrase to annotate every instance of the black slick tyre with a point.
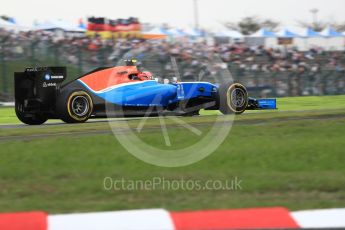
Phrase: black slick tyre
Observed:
(233, 98)
(74, 106)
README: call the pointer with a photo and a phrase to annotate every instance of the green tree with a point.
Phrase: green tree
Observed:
(251, 24)
(321, 25)
(340, 27)
(316, 25)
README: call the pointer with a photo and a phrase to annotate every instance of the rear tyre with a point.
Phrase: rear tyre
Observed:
(233, 98)
(74, 107)
(28, 118)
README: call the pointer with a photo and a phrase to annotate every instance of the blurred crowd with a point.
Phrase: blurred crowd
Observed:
(279, 72)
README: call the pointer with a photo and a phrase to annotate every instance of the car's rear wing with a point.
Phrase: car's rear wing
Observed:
(36, 88)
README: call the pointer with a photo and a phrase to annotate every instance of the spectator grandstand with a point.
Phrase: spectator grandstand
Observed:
(266, 72)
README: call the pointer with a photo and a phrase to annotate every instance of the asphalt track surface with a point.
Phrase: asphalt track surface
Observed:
(107, 129)
(58, 123)
(105, 120)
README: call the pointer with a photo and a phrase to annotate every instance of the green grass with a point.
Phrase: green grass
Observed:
(7, 115)
(297, 164)
(312, 103)
(293, 159)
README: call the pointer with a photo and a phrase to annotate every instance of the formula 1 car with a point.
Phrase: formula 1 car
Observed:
(41, 95)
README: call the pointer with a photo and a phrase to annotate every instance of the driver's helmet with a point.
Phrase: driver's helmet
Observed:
(145, 75)
(131, 62)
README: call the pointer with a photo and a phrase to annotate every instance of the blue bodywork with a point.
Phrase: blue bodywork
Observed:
(269, 103)
(152, 93)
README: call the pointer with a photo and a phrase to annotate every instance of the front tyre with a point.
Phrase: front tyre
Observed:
(233, 98)
(29, 118)
(75, 106)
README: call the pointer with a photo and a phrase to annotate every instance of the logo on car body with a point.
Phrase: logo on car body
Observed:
(50, 84)
(56, 77)
(49, 77)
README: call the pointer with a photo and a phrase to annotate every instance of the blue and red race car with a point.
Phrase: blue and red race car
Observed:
(41, 95)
